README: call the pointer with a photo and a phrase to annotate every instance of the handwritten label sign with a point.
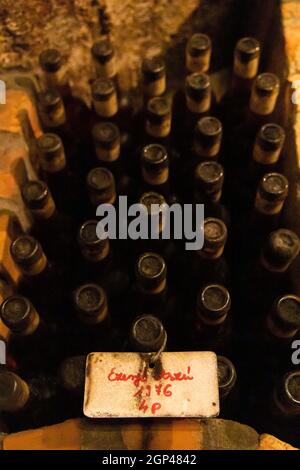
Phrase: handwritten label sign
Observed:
(179, 384)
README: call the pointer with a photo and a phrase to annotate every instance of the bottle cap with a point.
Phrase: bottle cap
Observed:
(151, 270)
(198, 44)
(197, 85)
(247, 49)
(226, 375)
(101, 181)
(209, 177)
(50, 100)
(208, 131)
(102, 89)
(215, 233)
(155, 156)
(26, 250)
(271, 137)
(273, 187)
(148, 334)
(213, 302)
(90, 300)
(35, 194)
(106, 134)
(51, 60)
(286, 312)
(16, 313)
(281, 248)
(266, 84)
(103, 51)
(158, 109)
(153, 68)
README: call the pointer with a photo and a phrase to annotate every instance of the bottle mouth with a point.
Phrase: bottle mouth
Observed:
(247, 49)
(106, 133)
(16, 311)
(158, 108)
(100, 179)
(292, 388)
(287, 311)
(215, 233)
(25, 249)
(50, 100)
(102, 89)
(273, 187)
(226, 374)
(49, 144)
(215, 299)
(103, 51)
(88, 234)
(281, 248)
(148, 333)
(267, 84)
(150, 199)
(151, 269)
(90, 299)
(35, 194)
(271, 137)
(199, 44)
(210, 176)
(153, 68)
(154, 155)
(196, 84)
(51, 60)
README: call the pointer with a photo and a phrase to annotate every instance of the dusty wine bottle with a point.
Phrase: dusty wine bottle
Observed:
(101, 186)
(38, 275)
(286, 397)
(106, 137)
(28, 405)
(104, 96)
(103, 55)
(155, 169)
(268, 144)
(271, 194)
(208, 138)
(212, 324)
(29, 334)
(227, 379)
(153, 76)
(148, 334)
(264, 95)
(71, 377)
(64, 184)
(151, 284)
(283, 321)
(96, 255)
(47, 221)
(245, 66)
(158, 119)
(198, 53)
(52, 111)
(53, 65)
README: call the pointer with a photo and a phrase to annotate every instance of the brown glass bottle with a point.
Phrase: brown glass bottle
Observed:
(71, 378)
(268, 276)
(105, 100)
(198, 103)
(34, 343)
(96, 257)
(64, 183)
(228, 393)
(212, 325)
(264, 95)
(198, 53)
(147, 334)
(28, 404)
(155, 172)
(54, 67)
(48, 222)
(90, 328)
(245, 67)
(209, 264)
(285, 408)
(153, 77)
(150, 289)
(109, 153)
(208, 189)
(101, 189)
(103, 55)
(41, 280)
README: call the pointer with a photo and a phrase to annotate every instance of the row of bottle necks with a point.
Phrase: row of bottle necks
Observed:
(89, 156)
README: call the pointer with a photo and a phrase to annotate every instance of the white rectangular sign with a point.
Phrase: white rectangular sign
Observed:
(124, 385)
